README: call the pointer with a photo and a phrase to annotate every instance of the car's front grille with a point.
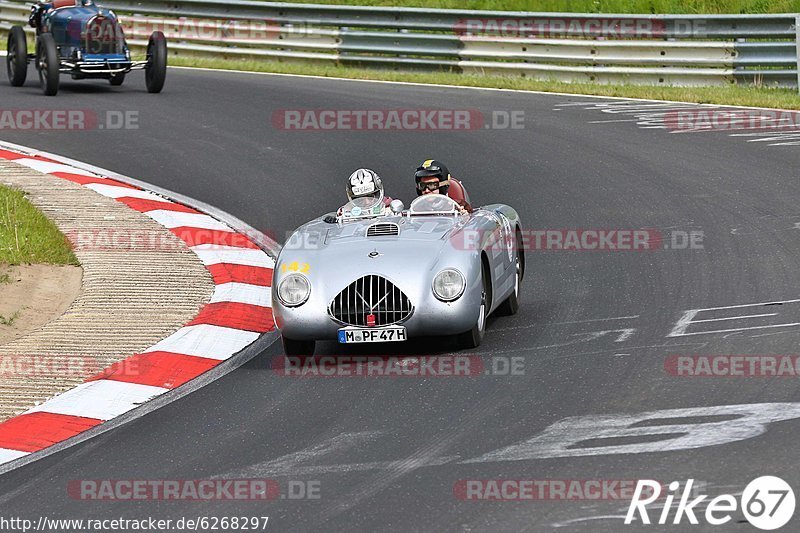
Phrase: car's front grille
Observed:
(383, 229)
(370, 295)
(103, 36)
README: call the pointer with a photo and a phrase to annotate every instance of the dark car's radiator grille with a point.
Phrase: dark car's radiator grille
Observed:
(374, 295)
(103, 36)
(383, 230)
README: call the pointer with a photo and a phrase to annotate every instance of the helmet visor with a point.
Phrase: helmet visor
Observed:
(428, 172)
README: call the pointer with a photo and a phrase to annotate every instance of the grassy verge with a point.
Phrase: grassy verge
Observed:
(591, 6)
(9, 321)
(27, 236)
(727, 95)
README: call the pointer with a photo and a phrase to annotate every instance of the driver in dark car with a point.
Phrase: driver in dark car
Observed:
(37, 10)
(40, 8)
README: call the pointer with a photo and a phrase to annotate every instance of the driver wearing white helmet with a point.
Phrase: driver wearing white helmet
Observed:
(365, 183)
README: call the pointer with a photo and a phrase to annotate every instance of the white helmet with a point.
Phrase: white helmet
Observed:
(364, 183)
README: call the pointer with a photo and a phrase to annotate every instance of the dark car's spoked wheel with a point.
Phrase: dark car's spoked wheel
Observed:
(17, 58)
(155, 73)
(47, 63)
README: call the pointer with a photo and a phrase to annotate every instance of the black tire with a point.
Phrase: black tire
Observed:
(473, 338)
(155, 73)
(293, 347)
(47, 63)
(510, 305)
(117, 79)
(17, 58)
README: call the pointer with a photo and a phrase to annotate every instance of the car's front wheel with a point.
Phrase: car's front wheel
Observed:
(17, 58)
(474, 337)
(293, 347)
(47, 63)
(155, 73)
(511, 304)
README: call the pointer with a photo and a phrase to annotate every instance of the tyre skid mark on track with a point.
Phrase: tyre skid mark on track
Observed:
(671, 430)
(652, 116)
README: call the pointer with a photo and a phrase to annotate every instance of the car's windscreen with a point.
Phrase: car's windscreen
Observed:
(433, 204)
(362, 208)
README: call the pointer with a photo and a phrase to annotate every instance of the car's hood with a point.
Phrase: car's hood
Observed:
(344, 250)
(403, 231)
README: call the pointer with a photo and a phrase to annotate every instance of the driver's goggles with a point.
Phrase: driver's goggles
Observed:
(430, 186)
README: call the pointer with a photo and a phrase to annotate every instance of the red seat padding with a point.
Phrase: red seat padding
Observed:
(65, 3)
(458, 193)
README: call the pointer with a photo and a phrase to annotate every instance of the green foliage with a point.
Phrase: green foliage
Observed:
(27, 236)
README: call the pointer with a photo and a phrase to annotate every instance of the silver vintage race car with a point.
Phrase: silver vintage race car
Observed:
(378, 274)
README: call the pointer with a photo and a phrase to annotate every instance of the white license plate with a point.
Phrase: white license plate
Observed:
(394, 334)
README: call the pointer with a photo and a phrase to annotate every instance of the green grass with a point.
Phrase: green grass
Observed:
(592, 6)
(10, 320)
(728, 95)
(27, 236)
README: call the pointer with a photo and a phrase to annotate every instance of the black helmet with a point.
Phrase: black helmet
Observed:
(430, 168)
(364, 183)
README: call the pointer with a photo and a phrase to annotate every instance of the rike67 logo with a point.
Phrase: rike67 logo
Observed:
(767, 503)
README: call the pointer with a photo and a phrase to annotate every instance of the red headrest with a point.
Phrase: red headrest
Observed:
(65, 3)
(458, 193)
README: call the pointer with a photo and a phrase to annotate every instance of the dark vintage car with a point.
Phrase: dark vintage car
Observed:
(80, 38)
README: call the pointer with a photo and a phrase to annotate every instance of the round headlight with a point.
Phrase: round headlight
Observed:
(293, 290)
(448, 285)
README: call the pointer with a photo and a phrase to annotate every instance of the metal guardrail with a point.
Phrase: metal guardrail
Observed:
(645, 49)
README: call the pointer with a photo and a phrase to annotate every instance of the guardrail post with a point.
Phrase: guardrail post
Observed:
(797, 48)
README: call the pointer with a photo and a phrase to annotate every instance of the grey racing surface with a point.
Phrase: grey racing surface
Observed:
(594, 331)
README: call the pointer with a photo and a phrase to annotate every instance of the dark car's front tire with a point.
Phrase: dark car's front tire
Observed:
(17, 58)
(47, 63)
(155, 73)
(293, 347)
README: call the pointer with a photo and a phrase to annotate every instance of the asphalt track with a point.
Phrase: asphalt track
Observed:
(593, 328)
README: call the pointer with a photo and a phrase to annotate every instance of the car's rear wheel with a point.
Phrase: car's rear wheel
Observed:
(293, 347)
(17, 58)
(474, 337)
(155, 73)
(47, 63)
(117, 79)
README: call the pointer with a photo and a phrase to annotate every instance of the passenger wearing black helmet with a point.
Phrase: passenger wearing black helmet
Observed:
(433, 177)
